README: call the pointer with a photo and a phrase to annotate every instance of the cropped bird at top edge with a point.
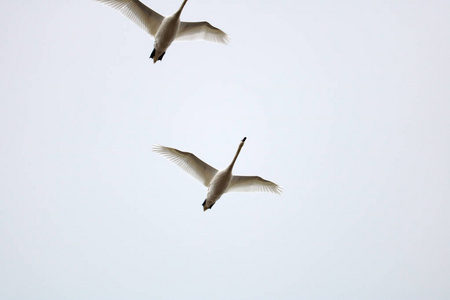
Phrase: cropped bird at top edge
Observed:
(217, 182)
(166, 29)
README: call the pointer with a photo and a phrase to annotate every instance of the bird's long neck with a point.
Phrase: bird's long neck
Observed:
(181, 8)
(237, 154)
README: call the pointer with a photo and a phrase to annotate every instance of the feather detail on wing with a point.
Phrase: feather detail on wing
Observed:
(252, 184)
(201, 30)
(188, 162)
(136, 11)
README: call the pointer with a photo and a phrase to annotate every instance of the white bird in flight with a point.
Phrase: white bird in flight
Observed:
(166, 29)
(217, 182)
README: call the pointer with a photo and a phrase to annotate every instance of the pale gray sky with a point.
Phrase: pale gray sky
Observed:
(344, 104)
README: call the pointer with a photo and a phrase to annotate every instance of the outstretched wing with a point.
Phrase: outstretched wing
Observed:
(201, 30)
(188, 162)
(253, 184)
(136, 11)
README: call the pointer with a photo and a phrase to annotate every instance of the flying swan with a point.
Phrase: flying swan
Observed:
(166, 29)
(217, 182)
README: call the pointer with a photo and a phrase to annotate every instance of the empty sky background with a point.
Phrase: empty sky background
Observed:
(344, 103)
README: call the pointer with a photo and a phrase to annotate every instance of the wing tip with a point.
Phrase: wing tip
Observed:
(278, 190)
(158, 148)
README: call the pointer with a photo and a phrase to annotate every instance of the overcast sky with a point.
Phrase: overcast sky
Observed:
(344, 104)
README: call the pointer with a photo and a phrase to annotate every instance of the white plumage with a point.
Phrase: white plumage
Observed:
(217, 182)
(166, 29)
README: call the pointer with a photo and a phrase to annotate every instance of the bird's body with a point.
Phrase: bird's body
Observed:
(218, 186)
(217, 182)
(166, 34)
(166, 29)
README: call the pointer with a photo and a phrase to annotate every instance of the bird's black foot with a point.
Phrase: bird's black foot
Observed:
(153, 55)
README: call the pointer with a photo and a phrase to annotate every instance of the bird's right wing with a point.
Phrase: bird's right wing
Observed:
(201, 30)
(188, 162)
(136, 11)
(253, 184)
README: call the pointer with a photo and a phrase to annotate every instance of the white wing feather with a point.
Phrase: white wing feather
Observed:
(136, 11)
(189, 163)
(201, 30)
(253, 184)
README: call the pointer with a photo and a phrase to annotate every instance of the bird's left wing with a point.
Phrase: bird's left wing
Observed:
(253, 184)
(136, 11)
(188, 162)
(201, 30)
